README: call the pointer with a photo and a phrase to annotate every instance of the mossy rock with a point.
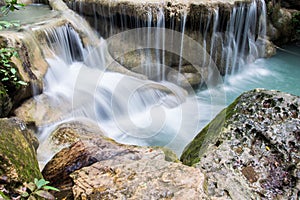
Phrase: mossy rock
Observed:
(193, 152)
(18, 160)
(5, 102)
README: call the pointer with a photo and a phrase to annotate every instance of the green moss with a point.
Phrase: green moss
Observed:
(169, 154)
(195, 150)
(17, 155)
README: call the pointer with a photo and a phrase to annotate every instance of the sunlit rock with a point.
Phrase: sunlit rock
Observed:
(97, 167)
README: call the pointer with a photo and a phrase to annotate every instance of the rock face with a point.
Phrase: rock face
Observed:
(96, 167)
(18, 162)
(251, 149)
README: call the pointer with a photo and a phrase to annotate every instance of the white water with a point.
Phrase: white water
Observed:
(127, 109)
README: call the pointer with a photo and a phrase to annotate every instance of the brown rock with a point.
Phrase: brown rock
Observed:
(138, 179)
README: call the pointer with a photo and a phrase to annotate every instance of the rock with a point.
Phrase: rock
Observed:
(5, 102)
(292, 4)
(18, 162)
(184, 80)
(64, 135)
(143, 178)
(41, 110)
(30, 64)
(96, 167)
(251, 149)
(282, 24)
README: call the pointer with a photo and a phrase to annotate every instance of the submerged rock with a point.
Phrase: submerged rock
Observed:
(251, 149)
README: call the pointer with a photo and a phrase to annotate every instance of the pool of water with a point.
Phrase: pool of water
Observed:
(31, 14)
(281, 72)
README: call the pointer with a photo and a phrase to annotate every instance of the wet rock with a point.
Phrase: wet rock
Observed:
(18, 162)
(251, 149)
(41, 110)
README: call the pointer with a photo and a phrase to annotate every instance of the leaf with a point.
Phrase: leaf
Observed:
(47, 187)
(31, 186)
(44, 194)
(13, 70)
(31, 197)
(5, 79)
(4, 196)
(25, 194)
(22, 83)
(41, 183)
(36, 181)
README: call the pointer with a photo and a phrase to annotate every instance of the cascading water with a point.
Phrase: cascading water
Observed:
(127, 109)
(232, 36)
(135, 111)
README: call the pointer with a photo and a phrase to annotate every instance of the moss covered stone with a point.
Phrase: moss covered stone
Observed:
(17, 152)
(194, 151)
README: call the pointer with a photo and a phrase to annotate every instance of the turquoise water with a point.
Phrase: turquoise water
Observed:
(280, 72)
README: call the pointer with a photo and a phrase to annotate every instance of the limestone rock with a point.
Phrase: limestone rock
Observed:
(18, 162)
(40, 110)
(138, 179)
(251, 149)
(96, 167)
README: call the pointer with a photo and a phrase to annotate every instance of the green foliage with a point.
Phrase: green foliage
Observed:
(7, 24)
(38, 189)
(296, 21)
(11, 5)
(8, 73)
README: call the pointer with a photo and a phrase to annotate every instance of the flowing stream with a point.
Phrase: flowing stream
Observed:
(145, 112)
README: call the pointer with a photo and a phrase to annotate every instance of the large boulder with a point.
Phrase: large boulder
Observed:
(18, 162)
(95, 167)
(251, 149)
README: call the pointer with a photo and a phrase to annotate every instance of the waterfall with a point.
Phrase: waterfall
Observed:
(146, 112)
(79, 85)
(232, 35)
